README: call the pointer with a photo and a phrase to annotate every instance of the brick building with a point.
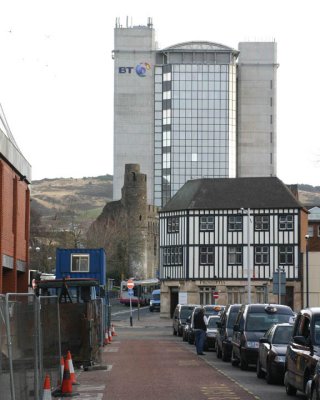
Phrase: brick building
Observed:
(15, 176)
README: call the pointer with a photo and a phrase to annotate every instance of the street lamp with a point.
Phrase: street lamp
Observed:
(247, 211)
(307, 270)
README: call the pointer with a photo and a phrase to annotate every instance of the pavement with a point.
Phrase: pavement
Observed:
(146, 361)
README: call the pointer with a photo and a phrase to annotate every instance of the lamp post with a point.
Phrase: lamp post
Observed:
(307, 270)
(247, 211)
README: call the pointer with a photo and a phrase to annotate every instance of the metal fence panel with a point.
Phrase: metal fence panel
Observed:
(21, 320)
(49, 339)
(4, 357)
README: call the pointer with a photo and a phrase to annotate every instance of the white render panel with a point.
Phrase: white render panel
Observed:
(257, 114)
(133, 105)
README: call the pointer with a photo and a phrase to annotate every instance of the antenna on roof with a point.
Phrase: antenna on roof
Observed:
(150, 24)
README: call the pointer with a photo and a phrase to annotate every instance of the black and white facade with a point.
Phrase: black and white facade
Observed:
(210, 228)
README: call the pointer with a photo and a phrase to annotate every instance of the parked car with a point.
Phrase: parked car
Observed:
(186, 329)
(208, 310)
(155, 300)
(224, 332)
(180, 315)
(313, 385)
(253, 320)
(211, 333)
(303, 353)
(272, 352)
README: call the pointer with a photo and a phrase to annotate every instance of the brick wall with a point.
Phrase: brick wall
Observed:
(14, 230)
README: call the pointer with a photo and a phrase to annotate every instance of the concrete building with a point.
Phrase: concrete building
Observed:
(15, 176)
(230, 236)
(192, 110)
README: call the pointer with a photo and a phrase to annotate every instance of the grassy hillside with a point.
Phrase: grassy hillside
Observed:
(82, 199)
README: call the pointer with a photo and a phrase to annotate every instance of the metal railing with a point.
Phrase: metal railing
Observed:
(36, 331)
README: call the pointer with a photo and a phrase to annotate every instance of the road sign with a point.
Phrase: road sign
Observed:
(215, 295)
(130, 284)
(130, 292)
(279, 275)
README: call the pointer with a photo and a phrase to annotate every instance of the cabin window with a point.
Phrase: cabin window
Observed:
(79, 262)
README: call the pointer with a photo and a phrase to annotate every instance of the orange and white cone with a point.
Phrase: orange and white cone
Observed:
(46, 388)
(106, 337)
(72, 373)
(110, 335)
(113, 331)
(66, 387)
(61, 369)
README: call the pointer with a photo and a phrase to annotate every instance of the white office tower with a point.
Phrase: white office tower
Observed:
(257, 112)
(178, 111)
(134, 61)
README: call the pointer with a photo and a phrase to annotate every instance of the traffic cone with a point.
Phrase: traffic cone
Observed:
(110, 335)
(61, 370)
(46, 388)
(113, 330)
(66, 387)
(106, 337)
(72, 374)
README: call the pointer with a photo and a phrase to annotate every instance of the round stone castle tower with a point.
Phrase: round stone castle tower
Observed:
(134, 200)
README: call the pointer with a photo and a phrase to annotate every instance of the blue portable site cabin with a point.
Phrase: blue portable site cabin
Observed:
(85, 263)
(81, 263)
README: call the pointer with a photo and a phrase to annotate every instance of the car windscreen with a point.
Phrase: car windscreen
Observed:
(232, 319)
(156, 296)
(212, 322)
(185, 312)
(261, 322)
(282, 334)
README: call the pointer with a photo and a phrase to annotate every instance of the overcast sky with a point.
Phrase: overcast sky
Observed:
(56, 74)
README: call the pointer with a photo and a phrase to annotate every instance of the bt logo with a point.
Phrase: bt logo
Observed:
(141, 69)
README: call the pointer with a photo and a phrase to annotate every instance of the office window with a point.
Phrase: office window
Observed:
(261, 294)
(207, 223)
(206, 295)
(80, 263)
(286, 255)
(173, 224)
(172, 255)
(261, 255)
(235, 255)
(261, 223)
(235, 223)
(286, 222)
(206, 255)
(236, 295)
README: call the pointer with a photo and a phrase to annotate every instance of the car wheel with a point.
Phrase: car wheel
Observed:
(243, 362)
(269, 376)
(218, 351)
(234, 360)
(314, 395)
(224, 354)
(260, 373)
(290, 390)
